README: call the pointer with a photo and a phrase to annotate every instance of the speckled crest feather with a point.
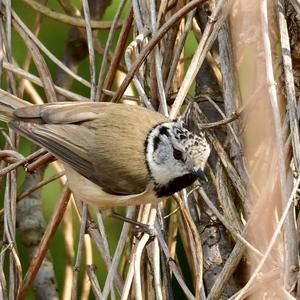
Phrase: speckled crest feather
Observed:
(89, 137)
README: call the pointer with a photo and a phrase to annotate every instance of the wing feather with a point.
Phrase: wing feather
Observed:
(101, 141)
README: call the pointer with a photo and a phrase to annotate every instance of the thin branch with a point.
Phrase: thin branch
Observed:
(63, 18)
(226, 223)
(79, 251)
(39, 185)
(118, 253)
(106, 49)
(22, 161)
(158, 63)
(209, 35)
(198, 251)
(178, 50)
(118, 53)
(296, 5)
(172, 264)
(21, 24)
(152, 43)
(44, 245)
(27, 61)
(96, 237)
(18, 71)
(39, 162)
(289, 231)
(89, 35)
(94, 282)
(289, 84)
(132, 49)
(69, 252)
(241, 293)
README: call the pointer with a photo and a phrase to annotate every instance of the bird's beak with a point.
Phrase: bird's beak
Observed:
(201, 175)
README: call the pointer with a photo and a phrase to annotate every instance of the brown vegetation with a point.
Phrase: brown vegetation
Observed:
(231, 238)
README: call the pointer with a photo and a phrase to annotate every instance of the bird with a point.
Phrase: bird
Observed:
(113, 154)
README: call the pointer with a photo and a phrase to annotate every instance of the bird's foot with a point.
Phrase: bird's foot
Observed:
(138, 226)
(145, 228)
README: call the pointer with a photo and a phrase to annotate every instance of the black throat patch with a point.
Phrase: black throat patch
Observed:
(175, 185)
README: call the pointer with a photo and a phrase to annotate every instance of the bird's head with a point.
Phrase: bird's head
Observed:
(175, 157)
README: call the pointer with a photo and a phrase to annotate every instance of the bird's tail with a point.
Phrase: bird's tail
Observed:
(8, 103)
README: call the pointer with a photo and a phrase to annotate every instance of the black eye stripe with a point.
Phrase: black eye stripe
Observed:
(156, 142)
(164, 131)
(177, 154)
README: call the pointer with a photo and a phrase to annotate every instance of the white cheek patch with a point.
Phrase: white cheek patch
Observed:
(168, 171)
(162, 175)
(162, 141)
(160, 157)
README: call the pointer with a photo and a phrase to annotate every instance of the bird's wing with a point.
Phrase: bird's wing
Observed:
(94, 140)
(70, 143)
(62, 112)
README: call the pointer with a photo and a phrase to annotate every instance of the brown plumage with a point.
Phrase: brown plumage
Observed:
(113, 154)
(91, 133)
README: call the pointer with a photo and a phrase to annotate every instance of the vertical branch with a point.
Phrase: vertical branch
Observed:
(86, 284)
(15, 270)
(79, 252)
(210, 33)
(10, 197)
(27, 60)
(131, 49)
(31, 225)
(123, 37)
(156, 270)
(44, 245)
(94, 282)
(8, 26)
(76, 48)
(69, 250)
(8, 46)
(289, 229)
(106, 49)
(2, 48)
(158, 62)
(296, 5)
(3, 288)
(289, 84)
(275, 235)
(231, 93)
(178, 50)
(89, 35)
(120, 247)
(152, 43)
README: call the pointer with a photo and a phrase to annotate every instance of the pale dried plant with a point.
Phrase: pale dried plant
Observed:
(235, 236)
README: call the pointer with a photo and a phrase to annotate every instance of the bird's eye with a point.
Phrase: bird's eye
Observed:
(177, 154)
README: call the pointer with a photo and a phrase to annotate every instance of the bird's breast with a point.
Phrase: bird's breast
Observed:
(87, 191)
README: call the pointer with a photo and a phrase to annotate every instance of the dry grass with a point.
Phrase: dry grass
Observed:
(238, 232)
